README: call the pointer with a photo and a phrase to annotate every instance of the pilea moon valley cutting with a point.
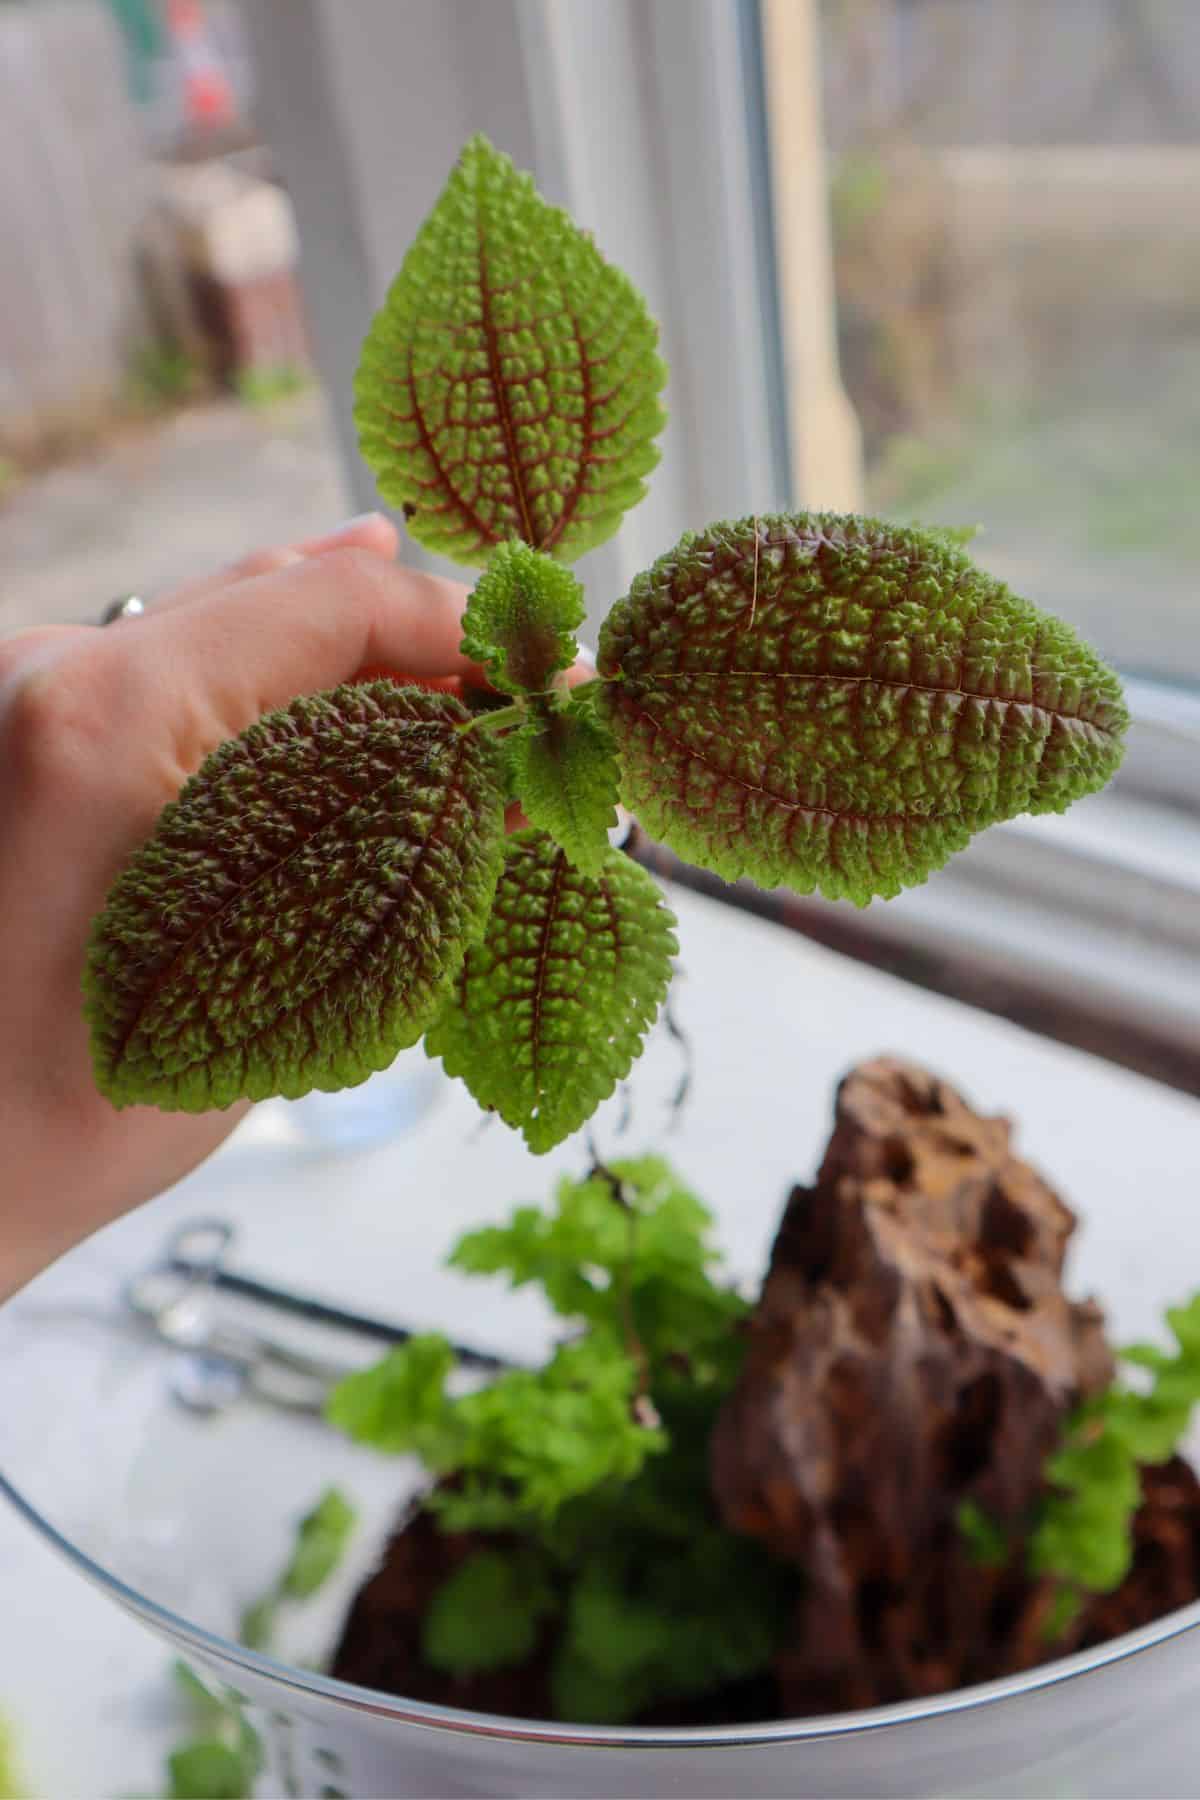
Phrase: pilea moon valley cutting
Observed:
(808, 700)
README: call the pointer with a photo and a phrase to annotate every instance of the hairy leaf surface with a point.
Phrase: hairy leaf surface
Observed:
(521, 619)
(509, 386)
(564, 767)
(300, 911)
(829, 702)
(551, 1006)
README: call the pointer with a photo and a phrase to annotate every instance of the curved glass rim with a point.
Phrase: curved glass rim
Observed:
(458, 1722)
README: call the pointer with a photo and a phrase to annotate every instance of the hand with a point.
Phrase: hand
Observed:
(99, 728)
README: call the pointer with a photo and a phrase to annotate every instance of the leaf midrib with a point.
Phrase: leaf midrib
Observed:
(539, 979)
(1055, 715)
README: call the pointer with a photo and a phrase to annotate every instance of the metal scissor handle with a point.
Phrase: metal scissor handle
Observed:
(222, 1362)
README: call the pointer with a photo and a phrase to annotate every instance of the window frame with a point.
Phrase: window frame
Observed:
(590, 98)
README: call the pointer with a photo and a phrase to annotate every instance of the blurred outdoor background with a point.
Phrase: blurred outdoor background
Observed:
(1015, 244)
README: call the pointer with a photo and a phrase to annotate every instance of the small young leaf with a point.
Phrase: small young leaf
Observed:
(399, 1404)
(1064, 1610)
(819, 701)
(300, 911)
(565, 770)
(256, 1626)
(209, 1770)
(521, 619)
(987, 1544)
(321, 1540)
(509, 386)
(550, 1008)
(486, 1614)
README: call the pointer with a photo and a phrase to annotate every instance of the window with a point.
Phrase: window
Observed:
(933, 256)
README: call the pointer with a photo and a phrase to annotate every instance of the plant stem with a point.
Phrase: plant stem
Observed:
(498, 719)
(644, 1409)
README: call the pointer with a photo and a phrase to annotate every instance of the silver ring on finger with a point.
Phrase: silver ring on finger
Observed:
(125, 606)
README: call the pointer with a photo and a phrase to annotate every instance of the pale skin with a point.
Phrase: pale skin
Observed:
(99, 728)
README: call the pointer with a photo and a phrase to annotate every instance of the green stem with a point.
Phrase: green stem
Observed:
(498, 719)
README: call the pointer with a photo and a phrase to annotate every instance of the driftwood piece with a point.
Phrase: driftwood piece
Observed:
(912, 1348)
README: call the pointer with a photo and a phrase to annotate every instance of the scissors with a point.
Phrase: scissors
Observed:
(220, 1362)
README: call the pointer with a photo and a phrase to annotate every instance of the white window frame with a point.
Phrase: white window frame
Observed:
(633, 114)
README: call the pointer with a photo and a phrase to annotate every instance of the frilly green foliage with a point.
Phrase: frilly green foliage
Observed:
(609, 1553)
(509, 386)
(300, 911)
(652, 1619)
(657, 1245)
(551, 1005)
(565, 768)
(1082, 1533)
(811, 700)
(521, 620)
(521, 1447)
(819, 701)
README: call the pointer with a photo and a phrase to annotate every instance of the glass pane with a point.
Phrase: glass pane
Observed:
(1017, 252)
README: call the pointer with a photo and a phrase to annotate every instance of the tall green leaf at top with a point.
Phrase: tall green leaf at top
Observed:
(509, 386)
(826, 702)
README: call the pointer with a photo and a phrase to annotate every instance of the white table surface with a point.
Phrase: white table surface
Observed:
(776, 1021)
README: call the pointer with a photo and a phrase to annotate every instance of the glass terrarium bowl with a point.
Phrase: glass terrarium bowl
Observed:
(184, 1517)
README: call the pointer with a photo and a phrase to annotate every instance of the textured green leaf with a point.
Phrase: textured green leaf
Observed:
(487, 1613)
(564, 766)
(828, 702)
(509, 386)
(550, 1008)
(299, 912)
(521, 619)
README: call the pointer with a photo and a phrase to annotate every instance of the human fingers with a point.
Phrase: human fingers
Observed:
(321, 621)
(369, 531)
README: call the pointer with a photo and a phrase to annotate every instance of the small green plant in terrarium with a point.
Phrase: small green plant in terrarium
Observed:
(583, 1484)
